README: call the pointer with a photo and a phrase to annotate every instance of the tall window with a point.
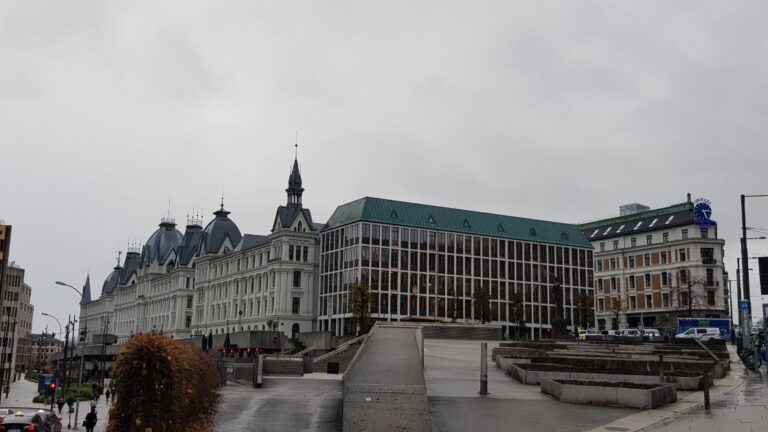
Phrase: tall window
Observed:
(306, 252)
(296, 306)
(649, 239)
(647, 280)
(613, 263)
(615, 244)
(710, 277)
(685, 234)
(647, 259)
(711, 298)
(602, 246)
(290, 252)
(704, 233)
(631, 262)
(297, 279)
(633, 241)
(665, 237)
(664, 257)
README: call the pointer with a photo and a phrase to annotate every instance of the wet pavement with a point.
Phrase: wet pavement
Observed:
(283, 404)
(452, 373)
(745, 408)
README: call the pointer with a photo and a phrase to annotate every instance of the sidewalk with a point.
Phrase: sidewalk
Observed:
(739, 403)
(22, 392)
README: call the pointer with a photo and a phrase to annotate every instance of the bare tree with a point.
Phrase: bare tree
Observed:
(585, 309)
(618, 306)
(360, 306)
(482, 305)
(687, 294)
(516, 310)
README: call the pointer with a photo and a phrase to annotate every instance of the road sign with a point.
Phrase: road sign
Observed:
(744, 304)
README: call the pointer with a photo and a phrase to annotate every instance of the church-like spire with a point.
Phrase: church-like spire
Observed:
(294, 183)
(86, 290)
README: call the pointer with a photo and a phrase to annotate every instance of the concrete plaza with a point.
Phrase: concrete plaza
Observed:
(452, 373)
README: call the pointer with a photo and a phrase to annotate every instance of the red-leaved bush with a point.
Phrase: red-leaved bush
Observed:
(163, 385)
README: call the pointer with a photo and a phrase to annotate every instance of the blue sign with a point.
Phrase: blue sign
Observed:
(744, 305)
(722, 324)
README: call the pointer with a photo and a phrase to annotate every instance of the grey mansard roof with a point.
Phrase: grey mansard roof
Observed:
(191, 245)
(639, 223)
(251, 241)
(112, 281)
(161, 243)
(130, 267)
(286, 215)
(218, 230)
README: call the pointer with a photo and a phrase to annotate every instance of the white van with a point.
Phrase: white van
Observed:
(703, 333)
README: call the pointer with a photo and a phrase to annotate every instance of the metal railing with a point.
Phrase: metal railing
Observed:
(340, 348)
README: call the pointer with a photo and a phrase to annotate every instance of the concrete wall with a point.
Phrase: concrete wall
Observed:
(610, 395)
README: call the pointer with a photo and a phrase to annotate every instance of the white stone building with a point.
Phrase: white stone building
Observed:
(214, 279)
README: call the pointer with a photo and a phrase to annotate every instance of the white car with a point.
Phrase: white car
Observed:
(702, 333)
(652, 334)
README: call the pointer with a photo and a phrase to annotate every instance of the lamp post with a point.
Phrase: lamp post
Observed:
(82, 354)
(58, 364)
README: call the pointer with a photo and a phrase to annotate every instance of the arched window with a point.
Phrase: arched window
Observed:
(300, 227)
(294, 330)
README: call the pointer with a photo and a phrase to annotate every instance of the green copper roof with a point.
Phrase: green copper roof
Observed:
(461, 221)
(677, 208)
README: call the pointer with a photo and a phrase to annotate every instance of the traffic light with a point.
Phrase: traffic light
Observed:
(52, 388)
(82, 336)
(762, 264)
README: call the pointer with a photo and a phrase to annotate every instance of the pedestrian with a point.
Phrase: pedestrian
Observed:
(71, 404)
(60, 403)
(93, 404)
(90, 420)
(107, 394)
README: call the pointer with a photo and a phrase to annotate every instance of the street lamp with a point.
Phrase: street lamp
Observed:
(82, 352)
(58, 364)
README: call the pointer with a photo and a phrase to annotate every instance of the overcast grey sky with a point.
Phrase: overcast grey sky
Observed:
(552, 110)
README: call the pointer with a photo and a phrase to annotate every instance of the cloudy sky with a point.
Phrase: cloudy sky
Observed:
(544, 109)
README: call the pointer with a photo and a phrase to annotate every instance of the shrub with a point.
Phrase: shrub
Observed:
(163, 385)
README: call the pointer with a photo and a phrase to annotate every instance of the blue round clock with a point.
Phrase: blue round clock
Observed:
(702, 213)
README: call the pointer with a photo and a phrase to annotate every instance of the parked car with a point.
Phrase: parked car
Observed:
(584, 333)
(630, 332)
(702, 333)
(652, 334)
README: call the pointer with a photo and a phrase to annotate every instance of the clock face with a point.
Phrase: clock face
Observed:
(702, 212)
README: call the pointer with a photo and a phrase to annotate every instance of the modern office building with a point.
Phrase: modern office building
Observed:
(653, 266)
(430, 263)
(16, 325)
(214, 279)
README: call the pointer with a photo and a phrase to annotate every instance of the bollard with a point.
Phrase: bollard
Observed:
(661, 368)
(483, 368)
(259, 371)
(706, 390)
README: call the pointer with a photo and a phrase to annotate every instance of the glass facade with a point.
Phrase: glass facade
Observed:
(433, 275)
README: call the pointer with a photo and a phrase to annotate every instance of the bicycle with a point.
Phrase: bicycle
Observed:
(753, 362)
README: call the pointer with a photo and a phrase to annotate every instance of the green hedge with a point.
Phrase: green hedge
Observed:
(84, 393)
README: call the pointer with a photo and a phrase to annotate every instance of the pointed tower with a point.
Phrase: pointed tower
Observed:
(294, 190)
(86, 290)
